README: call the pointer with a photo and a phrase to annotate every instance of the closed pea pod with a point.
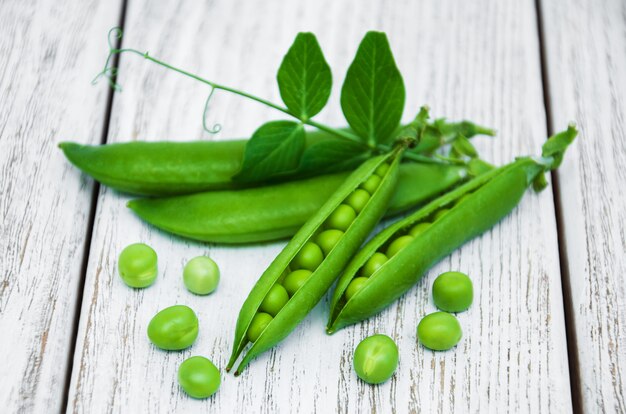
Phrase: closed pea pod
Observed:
(491, 197)
(169, 168)
(278, 211)
(324, 274)
(165, 168)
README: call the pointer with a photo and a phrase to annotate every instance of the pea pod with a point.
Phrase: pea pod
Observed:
(414, 244)
(278, 211)
(302, 253)
(174, 168)
(164, 168)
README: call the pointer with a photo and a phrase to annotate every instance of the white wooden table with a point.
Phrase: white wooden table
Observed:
(547, 332)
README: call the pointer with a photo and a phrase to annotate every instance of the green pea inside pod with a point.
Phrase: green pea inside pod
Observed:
(341, 218)
(453, 292)
(354, 286)
(376, 359)
(382, 169)
(373, 264)
(174, 328)
(418, 229)
(258, 325)
(371, 184)
(137, 265)
(439, 331)
(358, 199)
(199, 377)
(398, 244)
(328, 239)
(276, 298)
(309, 257)
(295, 280)
(442, 212)
(201, 275)
(463, 198)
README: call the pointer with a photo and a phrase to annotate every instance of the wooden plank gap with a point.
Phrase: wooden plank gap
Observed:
(91, 221)
(568, 304)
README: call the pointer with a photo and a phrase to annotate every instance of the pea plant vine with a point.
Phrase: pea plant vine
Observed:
(372, 101)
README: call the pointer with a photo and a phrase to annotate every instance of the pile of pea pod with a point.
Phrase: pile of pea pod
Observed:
(329, 217)
(190, 192)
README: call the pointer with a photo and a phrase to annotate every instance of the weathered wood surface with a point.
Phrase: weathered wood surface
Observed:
(474, 59)
(585, 46)
(49, 54)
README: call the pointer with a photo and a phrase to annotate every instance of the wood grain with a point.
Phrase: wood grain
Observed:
(50, 52)
(586, 65)
(466, 59)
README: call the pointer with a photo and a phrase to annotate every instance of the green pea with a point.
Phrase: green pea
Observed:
(382, 169)
(453, 292)
(199, 377)
(201, 275)
(274, 300)
(138, 265)
(442, 212)
(418, 229)
(358, 199)
(174, 328)
(376, 359)
(439, 331)
(398, 244)
(258, 324)
(328, 239)
(465, 197)
(373, 264)
(371, 184)
(341, 218)
(354, 286)
(294, 280)
(309, 257)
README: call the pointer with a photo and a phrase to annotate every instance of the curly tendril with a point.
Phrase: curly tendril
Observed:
(216, 127)
(109, 71)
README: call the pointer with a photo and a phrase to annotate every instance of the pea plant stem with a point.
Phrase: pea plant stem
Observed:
(339, 133)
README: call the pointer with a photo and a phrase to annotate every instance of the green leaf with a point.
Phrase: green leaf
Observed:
(332, 156)
(304, 77)
(275, 148)
(372, 96)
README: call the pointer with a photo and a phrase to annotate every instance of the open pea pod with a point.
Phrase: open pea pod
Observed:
(348, 217)
(396, 258)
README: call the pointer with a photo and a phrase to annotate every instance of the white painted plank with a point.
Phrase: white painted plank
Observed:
(49, 54)
(586, 61)
(473, 59)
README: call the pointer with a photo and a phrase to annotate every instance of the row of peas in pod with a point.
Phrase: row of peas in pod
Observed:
(176, 327)
(376, 357)
(313, 253)
(400, 240)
